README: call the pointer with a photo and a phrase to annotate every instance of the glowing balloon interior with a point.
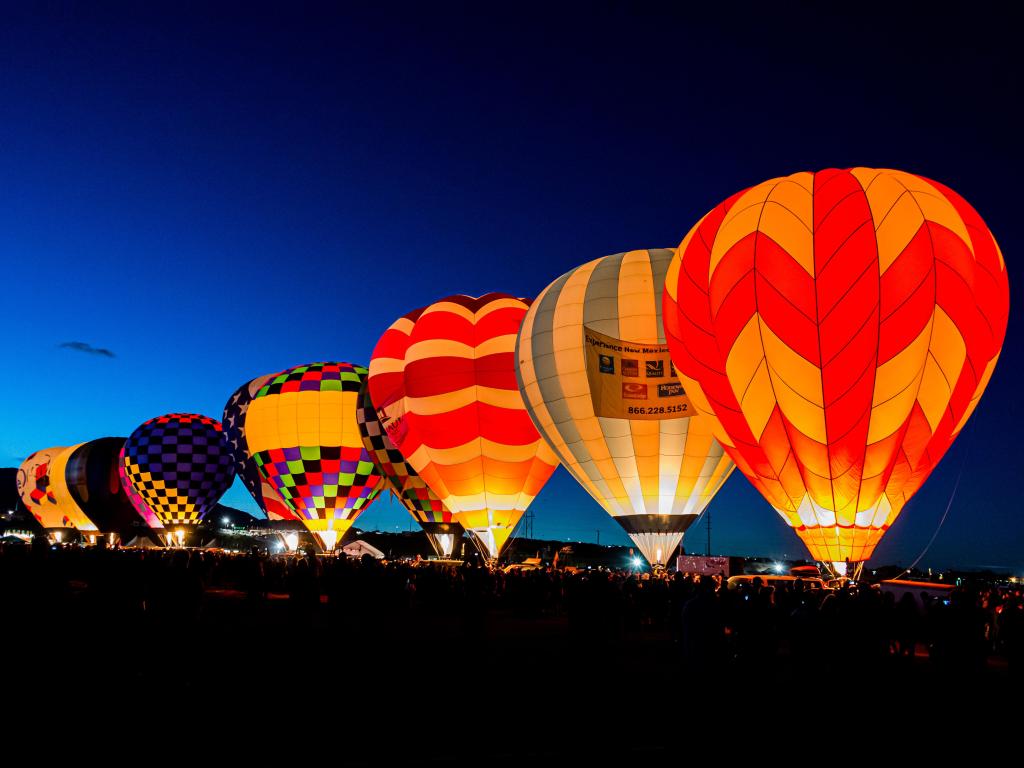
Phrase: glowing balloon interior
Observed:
(179, 465)
(262, 491)
(594, 370)
(839, 328)
(42, 485)
(421, 502)
(301, 430)
(443, 381)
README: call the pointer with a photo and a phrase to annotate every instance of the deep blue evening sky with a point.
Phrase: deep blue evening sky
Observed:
(213, 197)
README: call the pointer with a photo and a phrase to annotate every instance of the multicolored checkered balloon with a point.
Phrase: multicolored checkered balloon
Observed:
(301, 430)
(178, 465)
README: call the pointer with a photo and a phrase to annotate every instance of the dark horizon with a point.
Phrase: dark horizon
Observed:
(196, 199)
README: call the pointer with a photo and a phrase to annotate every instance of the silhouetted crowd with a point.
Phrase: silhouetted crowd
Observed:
(748, 630)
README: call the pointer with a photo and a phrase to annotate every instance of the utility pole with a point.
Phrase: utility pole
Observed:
(598, 530)
(708, 550)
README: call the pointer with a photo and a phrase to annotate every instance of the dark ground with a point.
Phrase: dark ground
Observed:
(367, 676)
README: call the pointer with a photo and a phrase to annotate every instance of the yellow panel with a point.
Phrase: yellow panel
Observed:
(786, 219)
(977, 393)
(745, 358)
(888, 417)
(349, 427)
(947, 346)
(803, 377)
(903, 370)
(759, 401)
(934, 393)
(257, 424)
(897, 229)
(308, 432)
(802, 414)
(429, 348)
(66, 505)
(450, 401)
(331, 421)
(448, 307)
(740, 222)
(935, 205)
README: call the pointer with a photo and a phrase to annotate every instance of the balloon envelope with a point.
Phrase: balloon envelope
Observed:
(594, 370)
(178, 465)
(93, 482)
(43, 488)
(414, 494)
(301, 430)
(839, 327)
(262, 491)
(443, 380)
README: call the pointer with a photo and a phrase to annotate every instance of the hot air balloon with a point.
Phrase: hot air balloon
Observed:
(44, 492)
(179, 465)
(268, 499)
(443, 380)
(839, 327)
(137, 502)
(92, 478)
(594, 370)
(301, 430)
(423, 504)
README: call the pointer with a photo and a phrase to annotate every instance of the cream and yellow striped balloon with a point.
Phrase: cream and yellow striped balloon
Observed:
(593, 367)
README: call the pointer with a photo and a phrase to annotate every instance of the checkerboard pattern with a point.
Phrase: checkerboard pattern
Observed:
(322, 482)
(315, 377)
(133, 496)
(303, 437)
(422, 503)
(180, 465)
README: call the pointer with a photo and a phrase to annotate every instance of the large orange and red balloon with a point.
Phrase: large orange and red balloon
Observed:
(443, 380)
(840, 327)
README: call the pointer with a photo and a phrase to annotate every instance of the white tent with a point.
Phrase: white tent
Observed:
(358, 548)
(142, 542)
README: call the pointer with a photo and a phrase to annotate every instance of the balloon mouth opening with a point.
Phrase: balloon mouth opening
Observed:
(329, 538)
(444, 544)
(845, 570)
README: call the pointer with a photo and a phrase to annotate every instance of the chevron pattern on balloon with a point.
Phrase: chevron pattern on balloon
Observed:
(840, 327)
